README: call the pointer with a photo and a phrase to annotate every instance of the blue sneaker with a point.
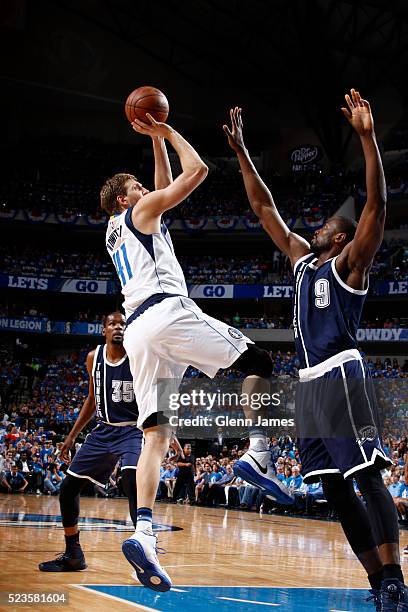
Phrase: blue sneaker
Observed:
(141, 552)
(375, 598)
(257, 468)
(394, 596)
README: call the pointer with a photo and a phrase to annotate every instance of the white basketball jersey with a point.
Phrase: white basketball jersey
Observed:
(145, 263)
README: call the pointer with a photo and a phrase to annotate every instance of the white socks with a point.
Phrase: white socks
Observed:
(258, 443)
(142, 525)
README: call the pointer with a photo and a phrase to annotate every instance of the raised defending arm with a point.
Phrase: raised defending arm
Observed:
(370, 230)
(259, 196)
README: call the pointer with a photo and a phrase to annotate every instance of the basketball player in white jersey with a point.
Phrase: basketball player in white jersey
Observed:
(166, 331)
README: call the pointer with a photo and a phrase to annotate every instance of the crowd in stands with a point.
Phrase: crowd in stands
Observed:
(263, 321)
(397, 139)
(64, 177)
(384, 323)
(255, 269)
(388, 368)
(88, 316)
(391, 263)
(68, 263)
(42, 176)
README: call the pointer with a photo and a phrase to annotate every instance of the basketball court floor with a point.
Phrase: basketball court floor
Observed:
(218, 559)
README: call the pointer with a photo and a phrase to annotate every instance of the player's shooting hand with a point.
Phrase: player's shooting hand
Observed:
(359, 113)
(154, 129)
(65, 448)
(234, 134)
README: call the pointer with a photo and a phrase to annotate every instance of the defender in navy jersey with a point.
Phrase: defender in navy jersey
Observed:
(335, 404)
(166, 331)
(116, 437)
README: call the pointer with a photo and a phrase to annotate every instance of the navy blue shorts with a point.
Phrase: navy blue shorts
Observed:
(337, 422)
(104, 446)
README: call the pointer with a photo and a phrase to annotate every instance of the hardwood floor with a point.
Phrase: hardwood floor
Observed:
(210, 547)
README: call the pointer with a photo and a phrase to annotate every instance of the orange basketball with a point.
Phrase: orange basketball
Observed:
(146, 100)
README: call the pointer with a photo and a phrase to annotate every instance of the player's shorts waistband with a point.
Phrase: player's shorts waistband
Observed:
(156, 298)
(306, 374)
(124, 424)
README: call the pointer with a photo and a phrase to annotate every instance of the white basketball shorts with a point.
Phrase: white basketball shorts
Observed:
(168, 337)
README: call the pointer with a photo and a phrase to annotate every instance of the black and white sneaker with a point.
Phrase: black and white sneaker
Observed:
(65, 563)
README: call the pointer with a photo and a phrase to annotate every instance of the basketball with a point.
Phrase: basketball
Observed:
(146, 100)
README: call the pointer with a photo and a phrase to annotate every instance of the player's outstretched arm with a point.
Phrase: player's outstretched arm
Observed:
(259, 196)
(85, 415)
(370, 230)
(194, 171)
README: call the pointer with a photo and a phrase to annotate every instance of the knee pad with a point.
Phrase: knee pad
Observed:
(254, 362)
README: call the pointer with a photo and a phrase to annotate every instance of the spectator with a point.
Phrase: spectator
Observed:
(203, 478)
(396, 487)
(14, 481)
(248, 496)
(314, 494)
(169, 477)
(216, 493)
(184, 485)
(168, 474)
(53, 479)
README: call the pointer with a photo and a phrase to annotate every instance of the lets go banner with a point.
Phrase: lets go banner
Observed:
(59, 285)
(110, 287)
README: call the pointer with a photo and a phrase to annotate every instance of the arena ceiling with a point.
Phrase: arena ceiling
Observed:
(288, 61)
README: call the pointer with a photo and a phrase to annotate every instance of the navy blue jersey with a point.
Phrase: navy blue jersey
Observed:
(113, 387)
(326, 311)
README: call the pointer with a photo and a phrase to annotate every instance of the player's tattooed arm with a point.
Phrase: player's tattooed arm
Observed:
(85, 415)
(259, 196)
(359, 255)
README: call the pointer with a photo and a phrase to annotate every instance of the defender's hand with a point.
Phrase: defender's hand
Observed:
(155, 128)
(359, 114)
(234, 135)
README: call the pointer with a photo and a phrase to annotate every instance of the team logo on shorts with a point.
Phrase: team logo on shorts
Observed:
(234, 333)
(367, 433)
